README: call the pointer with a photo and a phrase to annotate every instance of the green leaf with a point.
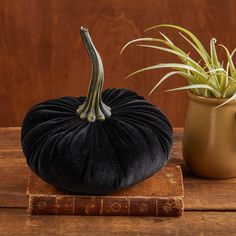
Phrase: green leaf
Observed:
(230, 90)
(233, 74)
(231, 64)
(227, 101)
(169, 65)
(170, 44)
(214, 57)
(139, 40)
(164, 78)
(179, 54)
(215, 70)
(187, 32)
(203, 54)
(196, 86)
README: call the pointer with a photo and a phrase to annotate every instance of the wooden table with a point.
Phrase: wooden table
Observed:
(210, 205)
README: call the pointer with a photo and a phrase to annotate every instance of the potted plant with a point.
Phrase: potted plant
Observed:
(209, 144)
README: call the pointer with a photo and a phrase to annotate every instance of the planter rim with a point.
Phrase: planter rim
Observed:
(208, 100)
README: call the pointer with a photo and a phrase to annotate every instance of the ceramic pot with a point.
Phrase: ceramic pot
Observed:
(209, 145)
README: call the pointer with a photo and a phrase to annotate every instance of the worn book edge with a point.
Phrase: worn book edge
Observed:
(140, 206)
(60, 204)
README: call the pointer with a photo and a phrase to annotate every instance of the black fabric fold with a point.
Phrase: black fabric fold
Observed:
(99, 157)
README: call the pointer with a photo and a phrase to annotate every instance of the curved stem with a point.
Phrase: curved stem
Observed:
(93, 108)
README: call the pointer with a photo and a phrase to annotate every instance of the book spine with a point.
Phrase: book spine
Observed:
(115, 206)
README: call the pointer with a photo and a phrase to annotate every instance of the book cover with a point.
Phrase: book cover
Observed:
(159, 195)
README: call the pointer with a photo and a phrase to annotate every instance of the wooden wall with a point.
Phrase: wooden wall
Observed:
(42, 57)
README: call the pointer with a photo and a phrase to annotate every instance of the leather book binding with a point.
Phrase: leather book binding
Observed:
(160, 195)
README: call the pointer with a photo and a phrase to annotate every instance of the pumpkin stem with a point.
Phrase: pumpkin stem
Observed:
(93, 108)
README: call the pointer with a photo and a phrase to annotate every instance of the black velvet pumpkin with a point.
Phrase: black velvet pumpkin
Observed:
(96, 145)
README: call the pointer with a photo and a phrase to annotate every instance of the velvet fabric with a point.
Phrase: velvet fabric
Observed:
(96, 157)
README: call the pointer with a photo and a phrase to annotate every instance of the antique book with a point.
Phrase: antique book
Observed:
(159, 195)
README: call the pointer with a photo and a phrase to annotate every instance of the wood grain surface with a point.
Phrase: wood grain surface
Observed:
(42, 56)
(210, 205)
(16, 222)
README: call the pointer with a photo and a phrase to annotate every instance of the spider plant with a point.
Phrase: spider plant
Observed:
(207, 76)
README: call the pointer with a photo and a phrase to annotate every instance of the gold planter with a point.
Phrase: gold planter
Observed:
(209, 145)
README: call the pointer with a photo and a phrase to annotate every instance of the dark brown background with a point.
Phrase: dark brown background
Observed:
(42, 57)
